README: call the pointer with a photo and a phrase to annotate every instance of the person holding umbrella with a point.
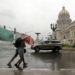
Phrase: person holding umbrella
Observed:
(21, 54)
(19, 44)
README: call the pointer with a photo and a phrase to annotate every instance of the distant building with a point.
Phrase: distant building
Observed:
(5, 34)
(65, 31)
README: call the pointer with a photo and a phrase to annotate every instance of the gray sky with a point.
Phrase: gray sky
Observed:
(30, 16)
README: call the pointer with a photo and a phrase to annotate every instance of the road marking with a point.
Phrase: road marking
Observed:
(33, 69)
(39, 69)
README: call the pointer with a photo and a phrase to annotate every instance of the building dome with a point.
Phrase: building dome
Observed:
(63, 17)
(63, 11)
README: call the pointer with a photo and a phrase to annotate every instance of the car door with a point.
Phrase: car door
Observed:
(42, 46)
(49, 46)
(45, 46)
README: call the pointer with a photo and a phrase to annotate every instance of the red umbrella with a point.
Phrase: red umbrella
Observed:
(29, 40)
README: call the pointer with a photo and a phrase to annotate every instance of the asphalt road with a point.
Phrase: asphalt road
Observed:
(44, 60)
(41, 60)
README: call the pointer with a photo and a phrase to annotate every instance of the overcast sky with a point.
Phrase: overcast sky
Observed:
(30, 16)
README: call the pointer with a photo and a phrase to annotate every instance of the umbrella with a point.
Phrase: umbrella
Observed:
(29, 40)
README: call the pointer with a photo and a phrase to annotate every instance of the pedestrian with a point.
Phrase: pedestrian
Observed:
(17, 45)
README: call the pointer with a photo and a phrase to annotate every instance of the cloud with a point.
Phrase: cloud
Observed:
(7, 13)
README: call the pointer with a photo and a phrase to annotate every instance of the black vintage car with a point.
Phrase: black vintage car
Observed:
(53, 45)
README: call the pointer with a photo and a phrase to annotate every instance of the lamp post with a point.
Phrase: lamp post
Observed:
(4, 27)
(64, 39)
(14, 30)
(14, 34)
(54, 27)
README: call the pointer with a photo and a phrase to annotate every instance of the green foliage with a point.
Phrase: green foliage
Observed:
(69, 46)
(66, 45)
(73, 45)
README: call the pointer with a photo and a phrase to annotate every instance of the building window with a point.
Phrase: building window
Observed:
(67, 34)
(74, 33)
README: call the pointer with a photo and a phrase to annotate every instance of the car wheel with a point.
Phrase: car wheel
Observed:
(37, 49)
(56, 49)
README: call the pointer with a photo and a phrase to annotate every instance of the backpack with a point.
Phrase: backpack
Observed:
(17, 42)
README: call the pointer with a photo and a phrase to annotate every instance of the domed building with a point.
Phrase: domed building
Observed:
(65, 31)
(63, 17)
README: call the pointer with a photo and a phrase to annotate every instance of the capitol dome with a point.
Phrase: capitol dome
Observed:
(63, 17)
(63, 11)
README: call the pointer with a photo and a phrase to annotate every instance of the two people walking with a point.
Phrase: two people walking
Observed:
(20, 50)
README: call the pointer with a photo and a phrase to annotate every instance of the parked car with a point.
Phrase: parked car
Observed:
(54, 45)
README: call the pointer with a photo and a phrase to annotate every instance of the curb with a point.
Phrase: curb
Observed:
(68, 48)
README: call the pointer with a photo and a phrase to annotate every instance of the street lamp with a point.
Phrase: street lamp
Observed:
(4, 27)
(54, 27)
(14, 34)
(14, 30)
(64, 39)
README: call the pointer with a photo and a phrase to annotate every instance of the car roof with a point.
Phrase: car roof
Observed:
(50, 41)
(54, 40)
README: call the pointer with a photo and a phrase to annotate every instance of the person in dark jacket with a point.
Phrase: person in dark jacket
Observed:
(19, 44)
(21, 54)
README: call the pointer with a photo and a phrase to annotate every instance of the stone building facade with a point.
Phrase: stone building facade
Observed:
(65, 31)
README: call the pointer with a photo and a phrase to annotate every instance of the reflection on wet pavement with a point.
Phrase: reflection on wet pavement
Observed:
(48, 60)
(63, 61)
(37, 72)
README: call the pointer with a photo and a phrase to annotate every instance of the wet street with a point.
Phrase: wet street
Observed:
(62, 63)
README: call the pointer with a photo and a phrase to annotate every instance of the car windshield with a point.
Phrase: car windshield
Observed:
(48, 42)
(44, 42)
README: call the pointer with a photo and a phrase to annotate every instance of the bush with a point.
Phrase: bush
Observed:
(66, 45)
(73, 45)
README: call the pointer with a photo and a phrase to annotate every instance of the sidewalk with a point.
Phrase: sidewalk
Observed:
(68, 48)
